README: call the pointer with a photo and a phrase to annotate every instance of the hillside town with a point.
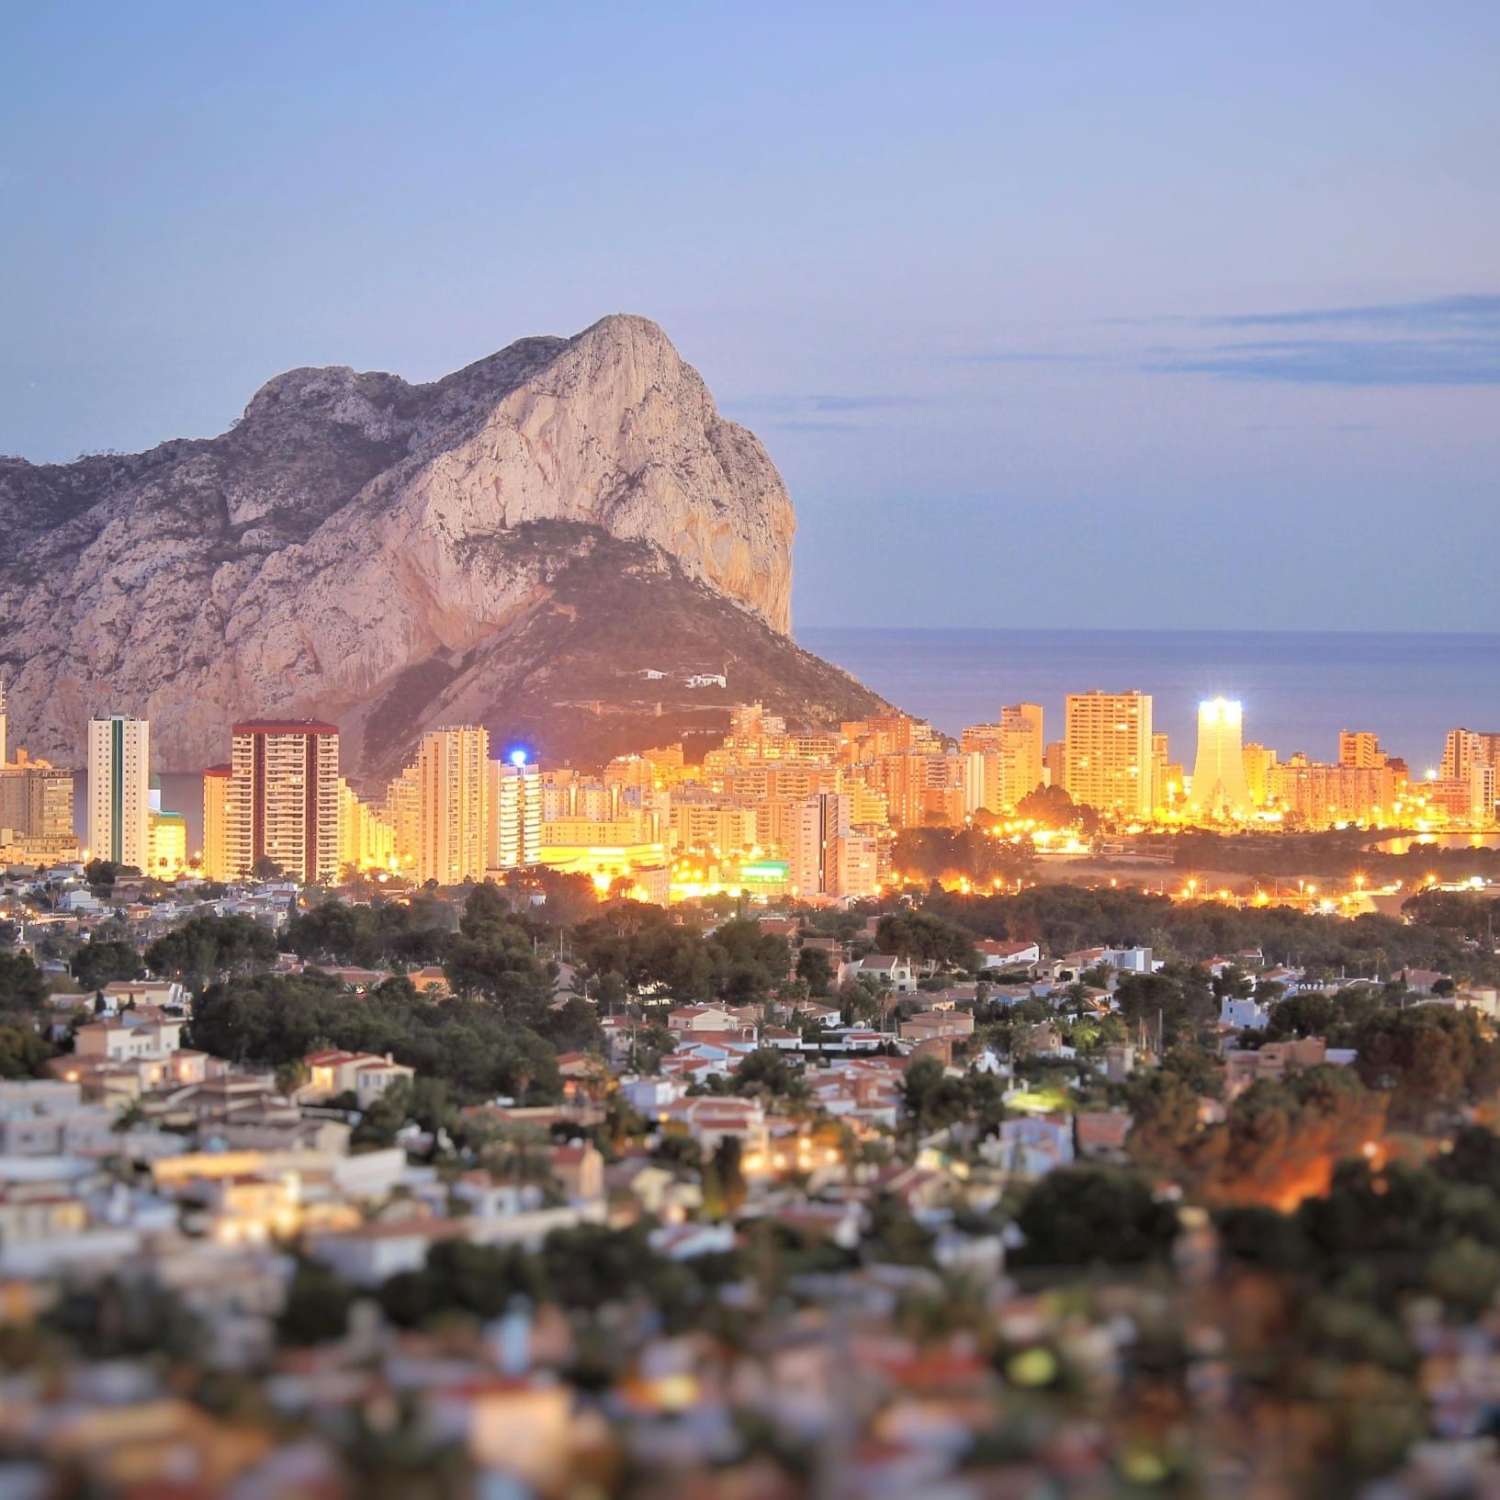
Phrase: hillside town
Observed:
(528, 1187)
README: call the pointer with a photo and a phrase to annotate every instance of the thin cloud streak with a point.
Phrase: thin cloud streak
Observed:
(1479, 310)
(1343, 362)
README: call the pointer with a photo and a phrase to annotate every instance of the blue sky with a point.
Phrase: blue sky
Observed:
(1145, 315)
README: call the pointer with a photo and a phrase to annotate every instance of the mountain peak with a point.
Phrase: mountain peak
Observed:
(355, 540)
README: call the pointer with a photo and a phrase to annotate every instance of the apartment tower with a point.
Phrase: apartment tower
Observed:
(1107, 752)
(453, 776)
(283, 801)
(120, 790)
(516, 812)
(216, 822)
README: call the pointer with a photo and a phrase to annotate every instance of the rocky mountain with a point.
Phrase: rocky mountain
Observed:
(552, 542)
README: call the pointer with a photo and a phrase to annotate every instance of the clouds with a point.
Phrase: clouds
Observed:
(1344, 362)
(1449, 341)
(1442, 341)
(1472, 310)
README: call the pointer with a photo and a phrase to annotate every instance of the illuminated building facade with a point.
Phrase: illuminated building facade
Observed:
(516, 812)
(283, 802)
(1219, 788)
(453, 795)
(821, 822)
(367, 841)
(215, 864)
(1259, 761)
(1360, 749)
(1466, 748)
(120, 790)
(1313, 795)
(1022, 749)
(168, 854)
(1107, 752)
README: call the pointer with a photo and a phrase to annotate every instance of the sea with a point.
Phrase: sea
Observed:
(1298, 688)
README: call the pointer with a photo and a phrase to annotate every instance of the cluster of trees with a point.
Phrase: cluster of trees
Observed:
(1067, 917)
(638, 945)
(1278, 1142)
(384, 932)
(207, 947)
(945, 853)
(925, 936)
(1052, 807)
(472, 1045)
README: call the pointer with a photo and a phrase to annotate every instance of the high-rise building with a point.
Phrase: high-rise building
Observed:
(1107, 754)
(36, 805)
(1312, 795)
(453, 777)
(1360, 749)
(367, 841)
(215, 864)
(981, 773)
(283, 803)
(3, 760)
(1259, 760)
(120, 790)
(1055, 763)
(1022, 751)
(821, 822)
(1219, 787)
(857, 866)
(516, 811)
(1466, 748)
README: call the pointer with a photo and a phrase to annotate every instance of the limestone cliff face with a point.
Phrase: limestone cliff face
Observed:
(353, 531)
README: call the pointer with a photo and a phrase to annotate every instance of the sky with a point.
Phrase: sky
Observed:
(1097, 315)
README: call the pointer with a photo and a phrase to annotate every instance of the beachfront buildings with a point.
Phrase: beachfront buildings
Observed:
(119, 768)
(1107, 752)
(1219, 786)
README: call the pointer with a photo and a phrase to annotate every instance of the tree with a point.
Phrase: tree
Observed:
(1080, 1215)
(724, 1186)
(266, 868)
(923, 936)
(22, 987)
(1164, 1111)
(206, 946)
(23, 1054)
(932, 1099)
(815, 967)
(97, 963)
(316, 1309)
(101, 874)
(1427, 1056)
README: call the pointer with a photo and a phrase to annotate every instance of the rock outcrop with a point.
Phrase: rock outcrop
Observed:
(521, 543)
